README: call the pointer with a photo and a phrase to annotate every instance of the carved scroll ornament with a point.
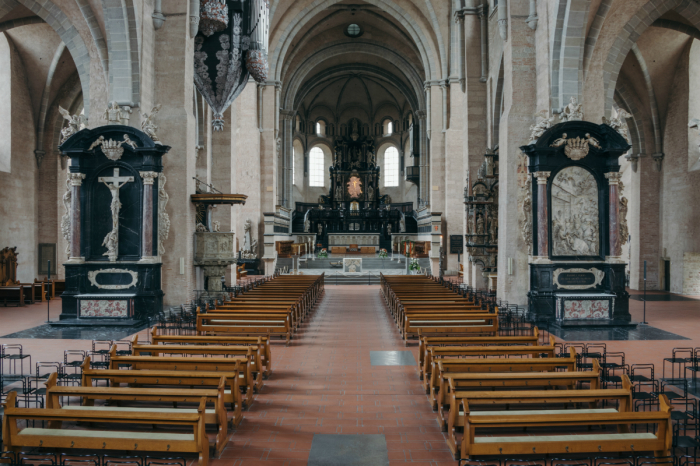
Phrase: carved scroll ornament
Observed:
(92, 276)
(163, 217)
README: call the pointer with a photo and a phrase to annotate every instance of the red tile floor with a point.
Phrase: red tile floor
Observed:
(324, 382)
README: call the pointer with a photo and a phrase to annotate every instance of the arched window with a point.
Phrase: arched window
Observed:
(391, 167)
(5, 105)
(388, 127)
(321, 128)
(316, 167)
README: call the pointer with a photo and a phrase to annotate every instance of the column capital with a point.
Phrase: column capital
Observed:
(287, 114)
(148, 177)
(76, 179)
(541, 177)
(613, 177)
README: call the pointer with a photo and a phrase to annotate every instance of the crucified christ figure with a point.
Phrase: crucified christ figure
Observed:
(113, 183)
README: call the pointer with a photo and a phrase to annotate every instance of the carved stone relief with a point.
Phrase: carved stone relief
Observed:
(525, 203)
(163, 217)
(575, 213)
(622, 215)
(66, 219)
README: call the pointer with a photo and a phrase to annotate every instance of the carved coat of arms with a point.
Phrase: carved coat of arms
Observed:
(576, 148)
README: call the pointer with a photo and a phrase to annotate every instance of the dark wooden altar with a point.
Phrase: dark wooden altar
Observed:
(114, 271)
(577, 276)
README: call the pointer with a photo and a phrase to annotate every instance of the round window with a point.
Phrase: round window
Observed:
(354, 30)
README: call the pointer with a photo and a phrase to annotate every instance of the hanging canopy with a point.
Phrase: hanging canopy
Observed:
(220, 70)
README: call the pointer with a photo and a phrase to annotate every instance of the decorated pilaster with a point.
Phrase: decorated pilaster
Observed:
(614, 210)
(542, 214)
(147, 226)
(76, 181)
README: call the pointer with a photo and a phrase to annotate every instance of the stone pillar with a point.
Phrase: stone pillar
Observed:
(542, 214)
(76, 181)
(147, 219)
(614, 209)
(174, 69)
(519, 99)
(423, 154)
(287, 157)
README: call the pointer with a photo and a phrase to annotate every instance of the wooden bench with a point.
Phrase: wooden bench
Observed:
(449, 324)
(583, 442)
(12, 295)
(435, 353)
(17, 440)
(216, 416)
(247, 325)
(168, 378)
(241, 272)
(261, 341)
(439, 389)
(424, 343)
(252, 353)
(176, 364)
(462, 402)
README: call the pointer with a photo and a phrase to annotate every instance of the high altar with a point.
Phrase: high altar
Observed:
(354, 203)
(115, 223)
(578, 225)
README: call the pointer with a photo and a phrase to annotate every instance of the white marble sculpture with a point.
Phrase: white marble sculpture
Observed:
(112, 149)
(307, 225)
(573, 111)
(65, 220)
(148, 126)
(618, 122)
(75, 124)
(163, 217)
(116, 115)
(216, 226)
(544, 122)
(114, 183)
(250, 245)
(575, 213)
(402, 224)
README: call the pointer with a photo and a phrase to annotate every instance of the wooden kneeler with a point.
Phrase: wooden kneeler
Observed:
(17, 440)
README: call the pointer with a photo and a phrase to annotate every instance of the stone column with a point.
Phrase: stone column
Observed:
(174, 69)
(542, 214)
(614, 208)
(287, 156)
(147, 220)
(76, 181)
(423, 154)
(519, 99)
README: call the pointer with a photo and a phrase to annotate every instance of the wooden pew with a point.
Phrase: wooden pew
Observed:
(246, 325)
(425, 342)
(261, 341)
(175, 363)
(449, 324)
(435, 353)
(462, 402)
(584, 442)
(12, 295)
(17, 440)
(252, 353)
(216, 416)
(439, 388)
(169, 378)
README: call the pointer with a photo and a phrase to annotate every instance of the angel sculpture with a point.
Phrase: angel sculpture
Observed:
(559, 142)
(592, 141)
(618, 123)
(545, 122)
(75, 124)
(148, 126)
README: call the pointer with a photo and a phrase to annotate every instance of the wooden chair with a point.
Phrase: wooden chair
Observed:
(53, 436)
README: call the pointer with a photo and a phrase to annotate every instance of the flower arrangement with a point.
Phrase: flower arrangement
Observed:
(383, 254)
(323, 254)
(413, 265)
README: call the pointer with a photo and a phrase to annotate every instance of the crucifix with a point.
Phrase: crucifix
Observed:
(111, 241)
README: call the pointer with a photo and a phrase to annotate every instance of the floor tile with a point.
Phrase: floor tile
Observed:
(392, 358)
(348, 450)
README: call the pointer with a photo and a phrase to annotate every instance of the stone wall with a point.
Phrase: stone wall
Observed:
(18, 195)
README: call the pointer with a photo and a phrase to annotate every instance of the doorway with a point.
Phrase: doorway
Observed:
(667, 275)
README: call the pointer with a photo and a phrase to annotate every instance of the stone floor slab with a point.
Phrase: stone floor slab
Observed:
(392, 358)
(348, 450)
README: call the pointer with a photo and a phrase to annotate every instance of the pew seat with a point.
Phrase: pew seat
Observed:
(56, 437)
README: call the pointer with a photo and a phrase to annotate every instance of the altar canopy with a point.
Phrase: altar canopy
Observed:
(114, 187)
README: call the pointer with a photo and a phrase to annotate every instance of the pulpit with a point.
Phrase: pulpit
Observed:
(113, 272)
